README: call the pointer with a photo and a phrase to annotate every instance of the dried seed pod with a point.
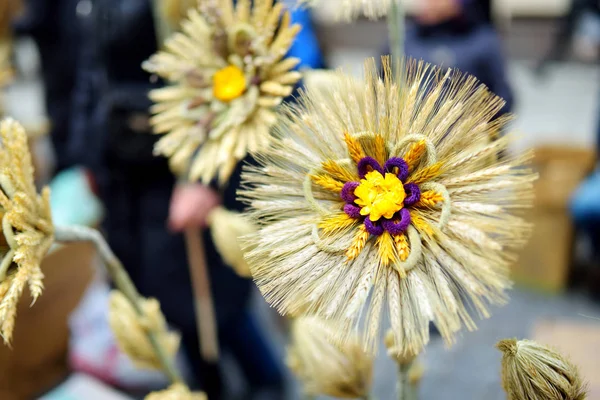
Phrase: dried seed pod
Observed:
(531, 371)
(323, 367)
(130, 330)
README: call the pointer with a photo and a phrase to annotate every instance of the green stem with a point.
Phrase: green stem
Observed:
(406, 390)
(396, 31)
(123, 282)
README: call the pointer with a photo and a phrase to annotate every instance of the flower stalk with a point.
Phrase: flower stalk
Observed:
(406, 389)
(395, 21)
(122, 281)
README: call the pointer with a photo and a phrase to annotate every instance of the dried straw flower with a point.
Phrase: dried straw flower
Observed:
(176, 391)
(228, 73)
(531, 371)
(388, 192)
(130, 330)
(27, 230)
(351, 9)
(323, 367)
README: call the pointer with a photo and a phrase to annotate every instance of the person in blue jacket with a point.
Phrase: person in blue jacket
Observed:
(144, 223)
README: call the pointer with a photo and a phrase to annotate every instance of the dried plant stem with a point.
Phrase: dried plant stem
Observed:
(396, 31)
(163, 29)
(69, 234)
(205, 314)
(406, 389)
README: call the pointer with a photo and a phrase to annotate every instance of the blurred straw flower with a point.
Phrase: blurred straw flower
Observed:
(531, 371)
(176, 391)
(351, 9)
(227, 72)
(27, 230)
(387, 193)
(130, 330)
(324, 368)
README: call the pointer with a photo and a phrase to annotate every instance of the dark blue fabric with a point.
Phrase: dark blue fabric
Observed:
(55, 27)
(476, 50)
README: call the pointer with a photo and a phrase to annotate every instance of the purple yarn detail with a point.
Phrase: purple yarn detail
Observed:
(413, 194)
(366, 162)
(402, 167)
(375, 230)
(396, 228)
(352, 211)
(348, 192)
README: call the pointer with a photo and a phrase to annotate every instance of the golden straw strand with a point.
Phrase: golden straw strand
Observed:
(430, 198)
(336, 223)
(413, 155)
(426, 174)
(359, 243)
(402, 246)
(327, 183)
(354, 148)
(386, 248)
(338, 172)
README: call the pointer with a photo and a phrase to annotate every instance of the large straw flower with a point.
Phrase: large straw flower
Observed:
(387, 193)
(531, 371)
(351, 9)
(324, 368)
(227, 73)
(27, 230)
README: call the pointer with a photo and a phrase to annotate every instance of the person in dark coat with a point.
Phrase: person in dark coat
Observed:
(55, 26)
(459, 34)
(112, 138)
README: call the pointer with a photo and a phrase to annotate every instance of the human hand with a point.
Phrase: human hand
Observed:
(190, 206)
(432, 12)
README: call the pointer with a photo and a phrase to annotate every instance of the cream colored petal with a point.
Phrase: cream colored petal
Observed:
(289, 78)
(269, 102)
(275, 89)
(284, 66)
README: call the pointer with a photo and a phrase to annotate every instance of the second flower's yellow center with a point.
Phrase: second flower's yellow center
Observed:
(229, 83)
(380, 196)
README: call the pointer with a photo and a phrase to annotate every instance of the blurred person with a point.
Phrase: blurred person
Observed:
(459, 34)
(583, 20)
(145, 215)
(55, 28)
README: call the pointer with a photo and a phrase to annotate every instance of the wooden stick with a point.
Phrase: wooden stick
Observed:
(203, 303)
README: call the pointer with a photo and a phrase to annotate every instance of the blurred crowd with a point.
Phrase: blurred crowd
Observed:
(97, 100)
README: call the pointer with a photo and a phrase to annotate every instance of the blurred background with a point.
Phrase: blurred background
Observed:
(542, 56)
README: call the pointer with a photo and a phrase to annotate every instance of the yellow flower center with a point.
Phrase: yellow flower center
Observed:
(380, 196)
(229, 83)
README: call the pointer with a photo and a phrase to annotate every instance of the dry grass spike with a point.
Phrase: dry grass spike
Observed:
(27, 229)
(531, 371)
